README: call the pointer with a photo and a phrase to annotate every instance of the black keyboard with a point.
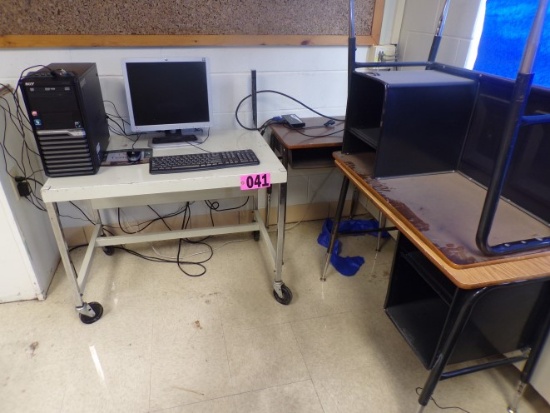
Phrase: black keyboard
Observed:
(201, 161)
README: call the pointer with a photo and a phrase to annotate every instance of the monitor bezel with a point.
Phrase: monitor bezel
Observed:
(159, 128)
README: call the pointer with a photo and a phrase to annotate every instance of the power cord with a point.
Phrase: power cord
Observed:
(24, 170)
(214, 206)
(325, 135)
(276, 119)
(120, 125)
(419, 389)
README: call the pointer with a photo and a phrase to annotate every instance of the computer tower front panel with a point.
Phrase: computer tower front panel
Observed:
(65, 107)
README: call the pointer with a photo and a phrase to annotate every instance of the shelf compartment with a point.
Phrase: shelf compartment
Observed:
(420, 300)
(415, 120)
(421, 337)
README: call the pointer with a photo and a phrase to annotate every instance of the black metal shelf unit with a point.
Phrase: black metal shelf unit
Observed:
(421, 301)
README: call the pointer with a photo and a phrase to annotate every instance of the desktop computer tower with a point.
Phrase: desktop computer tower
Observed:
(66, 111)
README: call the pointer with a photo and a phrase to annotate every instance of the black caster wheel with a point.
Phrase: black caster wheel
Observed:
(256, 235)
(109, 250)
(287, 295)
(98, 310)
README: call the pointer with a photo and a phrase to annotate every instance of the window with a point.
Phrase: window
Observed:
(505, 30)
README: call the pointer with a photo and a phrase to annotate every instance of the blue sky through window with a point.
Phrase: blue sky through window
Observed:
(505, 31)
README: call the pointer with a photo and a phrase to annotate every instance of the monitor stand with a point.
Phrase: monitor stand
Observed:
(178, 137)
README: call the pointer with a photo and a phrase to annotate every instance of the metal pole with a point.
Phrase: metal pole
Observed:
(516, 112)
(254, 100)
(439, 32)
(352, 43)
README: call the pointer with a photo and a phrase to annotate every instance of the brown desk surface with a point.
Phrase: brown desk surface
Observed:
(313, 135)
(439, 213)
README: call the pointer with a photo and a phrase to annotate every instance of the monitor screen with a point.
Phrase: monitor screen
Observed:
(168, 94)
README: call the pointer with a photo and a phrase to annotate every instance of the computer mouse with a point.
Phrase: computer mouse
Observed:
(133, 156)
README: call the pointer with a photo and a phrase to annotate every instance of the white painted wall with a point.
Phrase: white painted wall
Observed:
(313, 75)
(28, 253)
(420, 21)
(16, 278)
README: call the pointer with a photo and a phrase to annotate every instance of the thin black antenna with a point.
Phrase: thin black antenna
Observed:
(254, 100)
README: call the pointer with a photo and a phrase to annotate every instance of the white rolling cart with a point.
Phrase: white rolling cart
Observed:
(124, 186)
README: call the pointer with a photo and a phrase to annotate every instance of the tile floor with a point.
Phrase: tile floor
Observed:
(220, 343)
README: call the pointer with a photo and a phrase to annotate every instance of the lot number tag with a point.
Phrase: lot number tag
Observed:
(255, 181)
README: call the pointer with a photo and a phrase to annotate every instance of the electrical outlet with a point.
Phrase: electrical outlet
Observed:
(382, 53)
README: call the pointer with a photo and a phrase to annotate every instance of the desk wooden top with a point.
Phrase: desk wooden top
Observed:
(313, 135)
(439, 213)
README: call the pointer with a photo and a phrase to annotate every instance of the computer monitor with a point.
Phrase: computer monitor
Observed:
(169, 95)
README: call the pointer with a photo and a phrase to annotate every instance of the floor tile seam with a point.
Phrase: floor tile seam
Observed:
(65, 390)
(262, 326)
(150, 367)
(335, 312)
(235, 395)
(302, 355)
(307, 367)
(231, 325)
(227, 354)
(316, 317)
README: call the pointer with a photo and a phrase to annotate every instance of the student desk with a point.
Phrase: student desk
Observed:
(450, 302)
(129, 185)
(304, 148)
(308, 147)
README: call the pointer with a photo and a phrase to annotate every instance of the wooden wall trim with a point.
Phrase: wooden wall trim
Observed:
(58, 41)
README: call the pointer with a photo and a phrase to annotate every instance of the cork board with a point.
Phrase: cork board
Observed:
(120, 23)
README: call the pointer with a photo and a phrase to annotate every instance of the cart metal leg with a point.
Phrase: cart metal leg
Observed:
(381, 224)
(281, 292)
(354, 202)
(267, 205)
(89, 312)
(269, 192)
(336, 224)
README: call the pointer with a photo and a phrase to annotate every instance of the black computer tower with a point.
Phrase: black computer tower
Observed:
(66, 111)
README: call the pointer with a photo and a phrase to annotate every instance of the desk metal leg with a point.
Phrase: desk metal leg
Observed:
(284, 161)
(381, 224)
(462, 309)
(89, 312)
(281, 292)
(270, 189)
(336, 224)
(354, 202)
(530, 364)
